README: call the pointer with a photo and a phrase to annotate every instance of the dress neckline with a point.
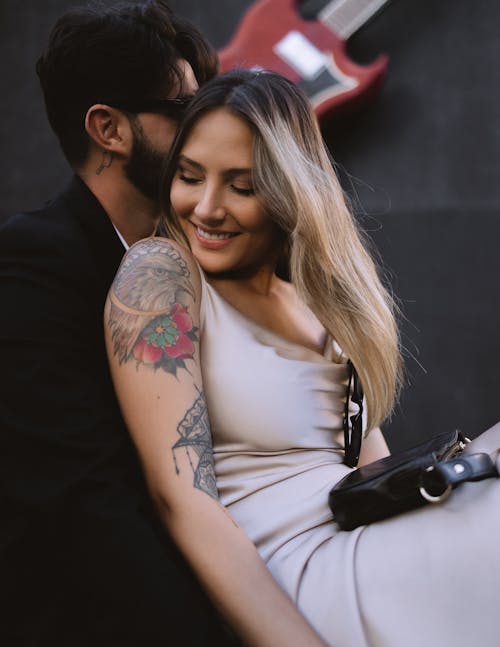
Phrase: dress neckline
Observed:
(328, 340)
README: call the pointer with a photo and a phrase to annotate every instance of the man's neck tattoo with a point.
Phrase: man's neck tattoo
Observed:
(107, 160)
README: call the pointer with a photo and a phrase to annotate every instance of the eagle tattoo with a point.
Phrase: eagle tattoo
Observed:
(149, 317)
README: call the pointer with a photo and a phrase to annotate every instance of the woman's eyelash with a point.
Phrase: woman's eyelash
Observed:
(242, 191)
(188, 178)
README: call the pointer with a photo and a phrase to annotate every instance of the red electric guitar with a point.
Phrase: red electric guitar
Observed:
(272, 35)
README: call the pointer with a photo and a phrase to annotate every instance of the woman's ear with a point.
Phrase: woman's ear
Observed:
(109, 129)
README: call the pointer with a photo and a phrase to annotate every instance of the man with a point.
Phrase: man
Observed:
(83, 560)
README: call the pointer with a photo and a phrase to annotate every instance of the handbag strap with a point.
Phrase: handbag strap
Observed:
(439, 479)
(353, 425)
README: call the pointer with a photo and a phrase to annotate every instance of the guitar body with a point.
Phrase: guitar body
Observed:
(272, 35)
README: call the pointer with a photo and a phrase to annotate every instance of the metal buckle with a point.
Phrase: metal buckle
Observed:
(431, 498)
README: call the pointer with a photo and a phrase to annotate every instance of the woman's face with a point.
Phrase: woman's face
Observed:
(213, 196)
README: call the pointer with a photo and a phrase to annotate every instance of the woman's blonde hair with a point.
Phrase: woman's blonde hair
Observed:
(328, 262)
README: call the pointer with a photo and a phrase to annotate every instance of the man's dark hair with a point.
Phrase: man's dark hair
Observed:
(114, 55)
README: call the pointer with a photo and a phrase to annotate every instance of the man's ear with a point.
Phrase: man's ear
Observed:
(109, 129)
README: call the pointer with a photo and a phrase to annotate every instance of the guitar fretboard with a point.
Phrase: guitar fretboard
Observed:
(344, 17)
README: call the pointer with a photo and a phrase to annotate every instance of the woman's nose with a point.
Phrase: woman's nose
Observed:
(209, 207)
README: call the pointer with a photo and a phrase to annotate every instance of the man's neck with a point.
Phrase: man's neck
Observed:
(134, 215)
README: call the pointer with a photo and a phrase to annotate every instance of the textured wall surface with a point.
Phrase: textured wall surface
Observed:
(421, 164)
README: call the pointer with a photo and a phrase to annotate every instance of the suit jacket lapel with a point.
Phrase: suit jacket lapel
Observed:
(106, 248)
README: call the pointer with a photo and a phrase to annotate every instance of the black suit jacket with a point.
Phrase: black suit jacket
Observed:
(83, 561)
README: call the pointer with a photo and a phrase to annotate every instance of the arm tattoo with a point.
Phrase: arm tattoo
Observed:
(195, 437)
(149, 317)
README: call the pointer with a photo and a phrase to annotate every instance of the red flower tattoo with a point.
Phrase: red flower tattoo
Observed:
(167, 340)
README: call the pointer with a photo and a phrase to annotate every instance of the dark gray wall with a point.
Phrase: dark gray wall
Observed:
(421, 164)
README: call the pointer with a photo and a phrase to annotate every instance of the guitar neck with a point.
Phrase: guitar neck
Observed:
(345, 17)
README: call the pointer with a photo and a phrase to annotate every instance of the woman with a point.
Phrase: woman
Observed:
(251, 188)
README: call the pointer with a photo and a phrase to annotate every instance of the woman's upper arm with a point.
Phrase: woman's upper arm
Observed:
(373, 447)
(151, 324)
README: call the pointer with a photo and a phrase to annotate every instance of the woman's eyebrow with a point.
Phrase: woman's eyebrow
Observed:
(187, 160)
(233, 173)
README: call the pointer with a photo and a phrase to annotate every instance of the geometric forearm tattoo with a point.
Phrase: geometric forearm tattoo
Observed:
(196, 440)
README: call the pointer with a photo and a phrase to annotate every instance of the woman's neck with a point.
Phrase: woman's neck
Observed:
(256, 284)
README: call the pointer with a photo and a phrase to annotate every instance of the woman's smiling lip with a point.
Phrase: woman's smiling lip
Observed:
(213, 238)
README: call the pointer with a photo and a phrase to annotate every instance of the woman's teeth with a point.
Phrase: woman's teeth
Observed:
(208, 236)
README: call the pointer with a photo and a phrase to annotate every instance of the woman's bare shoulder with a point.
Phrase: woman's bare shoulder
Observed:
(155, 260)
(158, 283)
(158, 246)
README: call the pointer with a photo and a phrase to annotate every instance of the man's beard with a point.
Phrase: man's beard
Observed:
(145, 164)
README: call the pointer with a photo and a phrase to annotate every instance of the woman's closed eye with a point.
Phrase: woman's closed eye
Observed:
(187, 176)
(188, 179)
(243, 190)
(240, 187)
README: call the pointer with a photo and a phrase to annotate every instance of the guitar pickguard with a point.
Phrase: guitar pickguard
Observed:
(319, 76)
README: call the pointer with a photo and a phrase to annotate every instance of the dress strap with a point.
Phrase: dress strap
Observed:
(353, 432)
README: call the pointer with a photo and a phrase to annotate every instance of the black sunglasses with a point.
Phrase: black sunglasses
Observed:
(353, 432)
(171, 108)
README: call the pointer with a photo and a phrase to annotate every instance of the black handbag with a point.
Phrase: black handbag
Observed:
(423, 474)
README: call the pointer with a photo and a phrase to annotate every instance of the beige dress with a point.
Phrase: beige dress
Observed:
(427, 578)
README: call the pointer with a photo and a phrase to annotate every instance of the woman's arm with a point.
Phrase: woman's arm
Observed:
(373, 447)
(151, 322)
